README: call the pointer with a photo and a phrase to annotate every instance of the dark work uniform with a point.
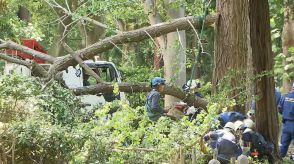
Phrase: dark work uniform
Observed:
(225, 142)
(226, 117)
(257, 143)
(154, 111)
(286, 108)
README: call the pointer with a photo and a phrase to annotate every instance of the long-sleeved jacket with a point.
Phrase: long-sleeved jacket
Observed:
(154, 111)
(286, 106)
(225, 142)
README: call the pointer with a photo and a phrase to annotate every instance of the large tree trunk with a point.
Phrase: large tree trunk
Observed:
(160, 42)
(231, 43)
(157, 57)
(24, 14)
(174, 55)
(288, 40)
(172, 46)
(266, 112)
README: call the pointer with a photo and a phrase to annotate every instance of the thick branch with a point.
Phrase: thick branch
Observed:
(82, 64)
(15, 46)
(133, 149)
(133, 36)
(141, 87)
(38, 70)
(35, 68)
(15, 60)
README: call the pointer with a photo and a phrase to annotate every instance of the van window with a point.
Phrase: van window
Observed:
(106, 73)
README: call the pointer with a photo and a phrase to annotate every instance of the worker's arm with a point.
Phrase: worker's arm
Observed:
(280, 105)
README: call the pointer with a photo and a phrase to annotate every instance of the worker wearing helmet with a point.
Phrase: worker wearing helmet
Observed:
(154, 111)
(224, 141)
(254, 142)
(194, 86)
(286, 108)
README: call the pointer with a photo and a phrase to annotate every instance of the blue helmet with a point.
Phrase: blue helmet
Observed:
(157, 80)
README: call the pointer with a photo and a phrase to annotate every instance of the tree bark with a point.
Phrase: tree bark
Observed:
(231, 47)
(174, 54)
(160, 43)
(288, 41)
(129, 48)
(142, 87)
(127, 37)
(24, 14)
(15, 46)
(36, 69)
(266, 112)
(157, 57)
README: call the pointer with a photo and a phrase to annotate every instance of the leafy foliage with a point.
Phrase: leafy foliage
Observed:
(17, 97)
(53, 130)
(283, 70)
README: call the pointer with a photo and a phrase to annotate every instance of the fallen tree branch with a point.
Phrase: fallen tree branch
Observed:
(132, 36)
(98, 23)
(15, 46)
(142, 87)
(82, 64)
(15, 60)
(36, 69)
(133, 149)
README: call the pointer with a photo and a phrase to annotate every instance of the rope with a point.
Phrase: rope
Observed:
(202, 22)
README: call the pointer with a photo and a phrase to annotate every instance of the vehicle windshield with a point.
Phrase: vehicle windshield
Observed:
(106, 72)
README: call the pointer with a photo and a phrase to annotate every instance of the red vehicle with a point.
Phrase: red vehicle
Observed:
(31, 43)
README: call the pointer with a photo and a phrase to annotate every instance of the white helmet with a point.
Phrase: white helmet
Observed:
(238, 124)
(192, 84)
(250, 113)
(248, 123)
(229, 125)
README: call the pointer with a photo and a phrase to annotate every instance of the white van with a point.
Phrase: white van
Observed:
(75, 77)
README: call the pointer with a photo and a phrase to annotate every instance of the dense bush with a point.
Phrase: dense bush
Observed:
(53, 130)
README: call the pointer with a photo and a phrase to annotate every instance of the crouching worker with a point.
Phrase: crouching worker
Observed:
(225, 142)
(154, 110)
(259, 147)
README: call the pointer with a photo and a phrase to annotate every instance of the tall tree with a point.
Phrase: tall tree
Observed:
(174, 55)
(172, 46)
(288, 42)
(266, 112)
(243, 41)
(231, 43)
